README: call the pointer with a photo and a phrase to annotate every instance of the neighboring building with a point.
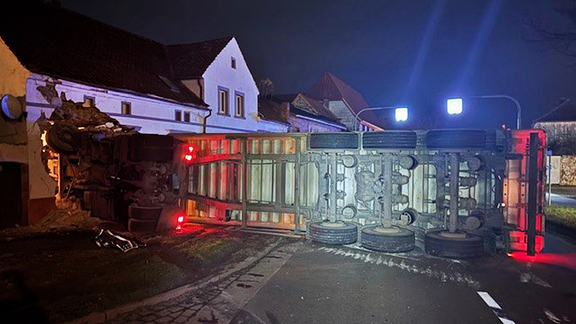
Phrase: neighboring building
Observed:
(344, 102)
(125, 75)
(273, 116)
(559, 123)
(216, 71)
(300, 113)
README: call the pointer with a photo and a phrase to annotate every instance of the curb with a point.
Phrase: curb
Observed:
(561, 229)
(109, 314)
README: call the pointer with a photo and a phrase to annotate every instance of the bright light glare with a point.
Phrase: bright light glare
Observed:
(454, 106)
(401, 114)
(180, 219)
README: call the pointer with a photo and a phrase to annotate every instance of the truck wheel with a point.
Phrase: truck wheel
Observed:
(60, 138)
(390, 140)
(337, 233)
(137, 225)
(388, 241)
(333, 141)
(456, 139)
(468, 246)
(144, 213)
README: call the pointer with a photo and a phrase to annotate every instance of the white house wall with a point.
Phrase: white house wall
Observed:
(151, 115)
(221, 74)
(267, 126)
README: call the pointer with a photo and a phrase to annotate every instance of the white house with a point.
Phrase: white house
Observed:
(216, 71)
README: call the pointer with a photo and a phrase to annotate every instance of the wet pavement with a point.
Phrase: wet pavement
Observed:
(312, 283)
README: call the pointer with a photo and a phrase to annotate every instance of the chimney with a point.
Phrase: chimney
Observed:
(285, 110)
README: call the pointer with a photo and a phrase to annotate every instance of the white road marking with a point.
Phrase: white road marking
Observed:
(494, 306)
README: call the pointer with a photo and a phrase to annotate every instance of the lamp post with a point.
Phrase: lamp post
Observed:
(457, 101)
(400, 113)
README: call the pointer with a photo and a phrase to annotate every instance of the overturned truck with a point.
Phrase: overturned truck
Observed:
(454, 193)
(113, 171)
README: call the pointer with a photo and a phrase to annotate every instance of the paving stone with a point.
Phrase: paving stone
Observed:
(149, 318)
(163, 313)
(181, 319)
(164, 320)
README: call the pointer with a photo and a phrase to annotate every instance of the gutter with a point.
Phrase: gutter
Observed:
(321, 121)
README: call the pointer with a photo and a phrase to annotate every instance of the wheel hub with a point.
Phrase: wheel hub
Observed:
(453, 235)
(386, 230)
(334, 224)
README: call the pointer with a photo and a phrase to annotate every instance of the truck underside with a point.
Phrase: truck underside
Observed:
(455, 193)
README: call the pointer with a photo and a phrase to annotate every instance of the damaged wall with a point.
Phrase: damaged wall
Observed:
(148, 115)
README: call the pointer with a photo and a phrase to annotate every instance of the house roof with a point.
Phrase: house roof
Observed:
(315, 109)
(273, 111)
(190, 61)
(562, 113)
(331, 88)
(61, 43)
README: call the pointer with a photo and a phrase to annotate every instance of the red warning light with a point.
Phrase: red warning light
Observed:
(189, 152)
(180, 219)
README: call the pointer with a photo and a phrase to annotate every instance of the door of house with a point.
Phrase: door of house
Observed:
(10, 194)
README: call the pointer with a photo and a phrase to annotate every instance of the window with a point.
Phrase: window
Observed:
(178, 115)
(239, 105)
(233, 63)
(222, 101)
(89, 101)
(187, 116)
(126, 108)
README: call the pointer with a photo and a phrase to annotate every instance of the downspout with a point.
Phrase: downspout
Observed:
(206, 121)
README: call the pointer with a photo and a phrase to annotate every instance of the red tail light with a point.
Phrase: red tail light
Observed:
(189, 152)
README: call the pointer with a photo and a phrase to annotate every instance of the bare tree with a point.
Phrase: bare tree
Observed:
(559, 39)
(266, 87)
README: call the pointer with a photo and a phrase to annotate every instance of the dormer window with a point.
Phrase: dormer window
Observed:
(233, 63)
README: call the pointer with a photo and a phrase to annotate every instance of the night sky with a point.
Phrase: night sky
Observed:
(409, 52)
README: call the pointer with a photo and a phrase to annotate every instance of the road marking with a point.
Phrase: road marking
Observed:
(496, 309)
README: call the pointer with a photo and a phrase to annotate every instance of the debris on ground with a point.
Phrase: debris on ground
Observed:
(66, 217)
(108, 239)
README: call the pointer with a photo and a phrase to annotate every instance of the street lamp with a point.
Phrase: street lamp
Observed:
(454, 106)
(400, 113)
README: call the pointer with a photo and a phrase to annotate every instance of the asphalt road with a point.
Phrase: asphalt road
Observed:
(304, 282)
(323, 284)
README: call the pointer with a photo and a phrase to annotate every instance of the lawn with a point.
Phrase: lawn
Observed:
(63, 276)
(565, 216)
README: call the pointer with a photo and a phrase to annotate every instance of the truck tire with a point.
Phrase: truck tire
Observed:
(60, 138)
(321, 232)
(403, 241)
(471, 246)
(389, 140)
(137, 225)
(144, 213)
(333, 141)
(456, 139)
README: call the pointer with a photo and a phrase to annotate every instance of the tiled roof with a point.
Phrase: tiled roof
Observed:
(314, 108)
(190, 61)
(564, 112)
(61, 43)
(331, 88)
(273, 111)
